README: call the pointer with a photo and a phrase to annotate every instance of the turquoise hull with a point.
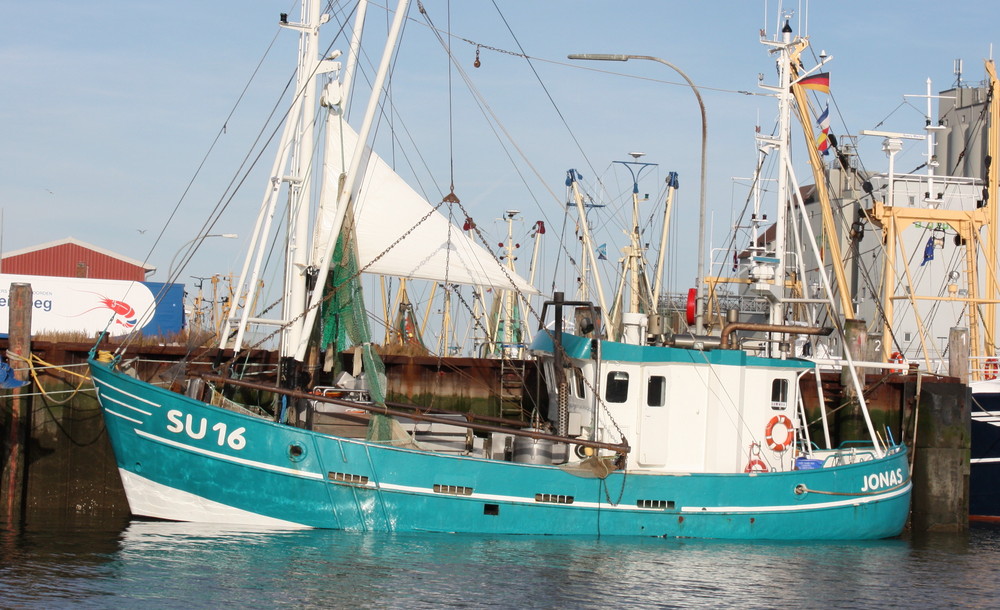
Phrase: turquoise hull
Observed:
(183, 460)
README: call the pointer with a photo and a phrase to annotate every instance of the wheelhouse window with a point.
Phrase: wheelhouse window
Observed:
(656, 391)
(581, 386)
(779, 394)
(616, 388)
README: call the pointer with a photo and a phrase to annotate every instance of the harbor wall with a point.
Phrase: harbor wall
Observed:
(473, 385)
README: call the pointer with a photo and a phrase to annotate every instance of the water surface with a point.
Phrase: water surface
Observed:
(141, 563)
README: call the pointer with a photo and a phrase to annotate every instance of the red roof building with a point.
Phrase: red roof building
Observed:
(73, 258)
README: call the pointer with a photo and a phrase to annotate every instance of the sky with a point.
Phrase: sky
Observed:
(122, 118)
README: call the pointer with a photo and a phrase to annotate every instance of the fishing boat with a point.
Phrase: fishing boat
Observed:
(679, 436)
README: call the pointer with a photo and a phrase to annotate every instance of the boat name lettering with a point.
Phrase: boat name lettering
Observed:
(234, 439)
(881, 480)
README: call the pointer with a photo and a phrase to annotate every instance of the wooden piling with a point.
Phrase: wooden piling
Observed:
(942, 437)
(958, 352)
(850, 421)
(13, 478)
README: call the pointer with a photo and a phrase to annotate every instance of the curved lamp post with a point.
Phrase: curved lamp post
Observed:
(199, 239)
(700, 303)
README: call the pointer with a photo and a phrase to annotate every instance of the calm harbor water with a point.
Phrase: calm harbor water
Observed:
(131, 564)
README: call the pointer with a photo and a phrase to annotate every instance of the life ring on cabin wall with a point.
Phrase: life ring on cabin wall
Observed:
(992, 369)
(897, 358)
(755, 465)
(769, 433)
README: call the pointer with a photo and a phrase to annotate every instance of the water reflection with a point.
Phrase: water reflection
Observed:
(176, 564)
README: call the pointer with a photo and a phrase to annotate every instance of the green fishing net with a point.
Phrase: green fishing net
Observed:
(344, 317)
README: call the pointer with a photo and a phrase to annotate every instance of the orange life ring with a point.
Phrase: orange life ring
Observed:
(897, 358)
(755, 465)
(992, 368)
(768, 433)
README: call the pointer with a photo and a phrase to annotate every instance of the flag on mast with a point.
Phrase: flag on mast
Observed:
(819, 81)
(823, 138)
(928, 251)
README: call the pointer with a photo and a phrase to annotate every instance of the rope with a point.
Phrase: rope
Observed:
(801, 489)
(33, 371)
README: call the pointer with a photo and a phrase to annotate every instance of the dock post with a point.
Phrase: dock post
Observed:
(958, 353)
(942, 440)
(850, 421)
(19, 341)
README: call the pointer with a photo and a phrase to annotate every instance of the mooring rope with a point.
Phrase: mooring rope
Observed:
(801, 489)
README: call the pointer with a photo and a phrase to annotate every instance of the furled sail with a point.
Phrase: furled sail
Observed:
(386, 208)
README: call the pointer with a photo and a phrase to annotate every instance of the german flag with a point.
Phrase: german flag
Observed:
(819, 81)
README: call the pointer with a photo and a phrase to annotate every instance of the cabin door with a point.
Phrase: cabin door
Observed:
(654, 420)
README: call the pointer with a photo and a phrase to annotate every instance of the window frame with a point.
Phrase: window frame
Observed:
(619, 385)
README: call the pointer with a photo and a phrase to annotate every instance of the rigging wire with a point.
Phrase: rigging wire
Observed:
(495, 124)
(237, 180)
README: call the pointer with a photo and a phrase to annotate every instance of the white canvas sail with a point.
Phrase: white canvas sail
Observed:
(385, 208)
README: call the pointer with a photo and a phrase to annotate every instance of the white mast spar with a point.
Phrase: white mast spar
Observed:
(290, 149)
(787, 47)
(352, 176)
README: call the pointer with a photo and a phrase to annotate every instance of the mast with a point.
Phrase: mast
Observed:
(506, 322)
(640, 296)
(993, 207)
(352, 176)
(823, 197)
(968, 224)
(787, 90)
(588, 244)
(672, 185)
(772, 268)
(539, 230)
(300, 181)
(480, 331)
(789, 52)
(290, 152)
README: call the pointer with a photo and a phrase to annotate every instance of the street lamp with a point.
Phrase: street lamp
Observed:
(191, 251)
(700, 303)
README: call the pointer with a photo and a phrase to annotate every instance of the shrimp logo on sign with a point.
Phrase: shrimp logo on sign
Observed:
(124, 314)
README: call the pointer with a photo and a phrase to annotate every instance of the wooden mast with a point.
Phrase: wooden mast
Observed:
(993, 206)
(822, 194)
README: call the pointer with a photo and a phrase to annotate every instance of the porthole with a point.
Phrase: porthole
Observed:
(296, 452)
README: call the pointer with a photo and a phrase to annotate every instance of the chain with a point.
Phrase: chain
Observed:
(423, 11)
(503, 267)
(468, 308)
(621, 492)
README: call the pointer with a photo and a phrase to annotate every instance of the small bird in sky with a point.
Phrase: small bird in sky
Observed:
(141, 231)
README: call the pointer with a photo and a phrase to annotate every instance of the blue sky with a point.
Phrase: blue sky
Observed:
(109, 107)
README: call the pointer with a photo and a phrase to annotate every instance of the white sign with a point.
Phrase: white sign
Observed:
(69, 304)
